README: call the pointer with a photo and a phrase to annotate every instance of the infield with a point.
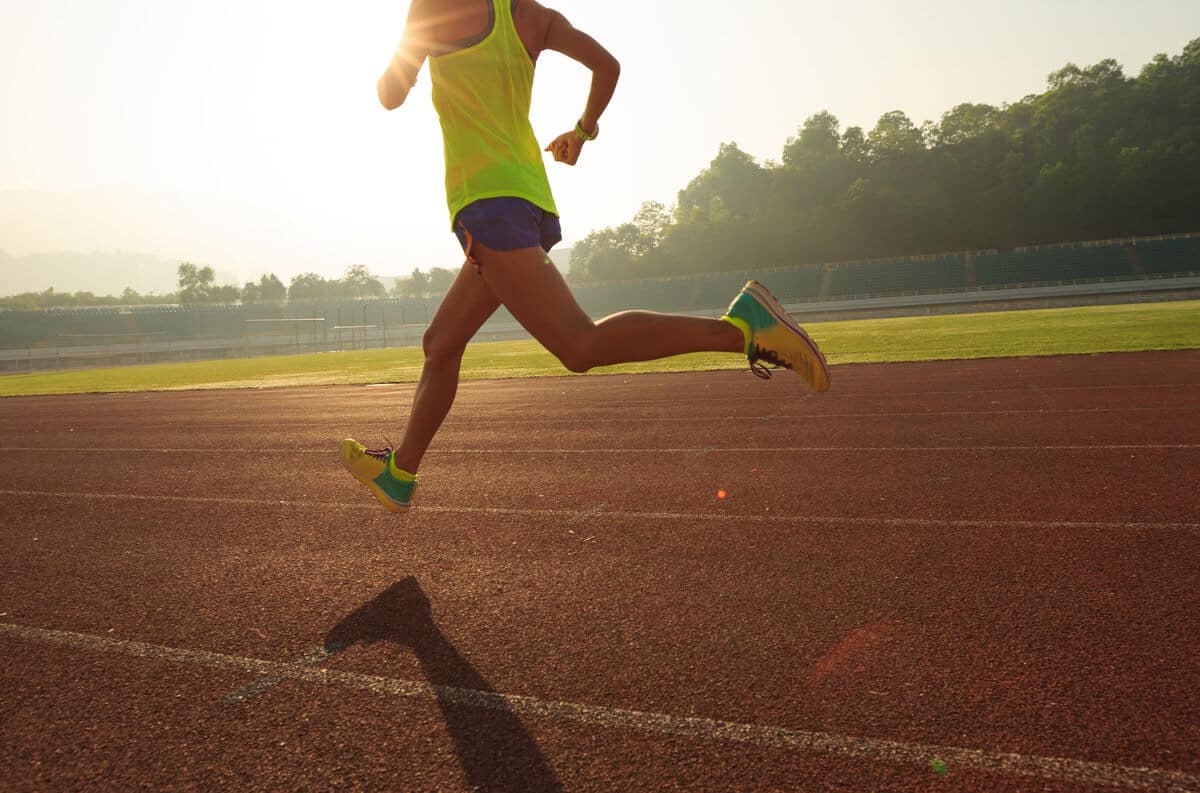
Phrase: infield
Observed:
(1092, 329)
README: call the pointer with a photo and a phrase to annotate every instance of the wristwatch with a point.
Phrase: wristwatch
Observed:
(583, 134)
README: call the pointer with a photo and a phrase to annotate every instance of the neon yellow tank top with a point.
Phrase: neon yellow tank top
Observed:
(482, 95)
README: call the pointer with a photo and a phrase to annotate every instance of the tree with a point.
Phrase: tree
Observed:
(650, 226)
(609, 254)
(251, 293)
(1096, 154)
(196, 284)
(308, 286)
(416, 285)
(818, 139)
(358, 282)
(894, 136)
(964, 122)
(440, 280)
(226, 293)
(854, 146)
(268, 289)
(271, 289)
(731, 187)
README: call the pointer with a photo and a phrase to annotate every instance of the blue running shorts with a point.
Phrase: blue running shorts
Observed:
(506, 224)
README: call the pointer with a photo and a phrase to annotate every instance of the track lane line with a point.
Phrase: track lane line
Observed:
(1016, 389)
(474, 419)
(876, 749)
(691, 450)
(372, 506)
(468, 421)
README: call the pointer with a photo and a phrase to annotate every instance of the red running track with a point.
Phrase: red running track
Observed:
(988, 563)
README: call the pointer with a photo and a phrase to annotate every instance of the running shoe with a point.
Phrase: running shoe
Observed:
(375, 468)
(774, 337)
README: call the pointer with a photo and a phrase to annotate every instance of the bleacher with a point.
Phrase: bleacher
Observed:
(717, 289)
(1052, 264)
(599, 300)
(899, 276)
(1168, 257)
(794, 284)
(686, 293)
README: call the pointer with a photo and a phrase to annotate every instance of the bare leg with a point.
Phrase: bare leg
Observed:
(536, 294)
(649, 335)
(466, 306)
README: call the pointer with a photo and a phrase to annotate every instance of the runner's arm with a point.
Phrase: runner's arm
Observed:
(401, 73)
(562, 36)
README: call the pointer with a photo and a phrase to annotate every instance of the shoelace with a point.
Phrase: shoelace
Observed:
(760, 370)
(380, 454)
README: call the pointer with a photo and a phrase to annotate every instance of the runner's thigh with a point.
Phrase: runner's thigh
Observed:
(463, 310)
(534, 291)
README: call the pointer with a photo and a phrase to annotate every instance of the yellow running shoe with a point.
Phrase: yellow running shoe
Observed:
(774, 337)
(375, 468)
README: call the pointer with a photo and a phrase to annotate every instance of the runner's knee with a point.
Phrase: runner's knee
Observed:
(439, 348)
(575, 364)
(576, 354)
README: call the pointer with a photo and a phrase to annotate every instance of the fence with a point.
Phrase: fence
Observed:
(77, 338)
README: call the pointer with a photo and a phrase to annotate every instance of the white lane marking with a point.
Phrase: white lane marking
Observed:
(700, 396)
(470, 420)
(719, 449)
(836, 520)
(641, 419)
(580, 517)
(876, 749)
(263, 684)
(692, 450)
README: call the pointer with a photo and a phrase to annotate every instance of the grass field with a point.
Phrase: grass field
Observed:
(1125, 328)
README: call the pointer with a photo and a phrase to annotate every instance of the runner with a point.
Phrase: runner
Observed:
(481, 57)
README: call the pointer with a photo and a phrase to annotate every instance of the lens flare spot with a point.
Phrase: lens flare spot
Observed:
(720, 494)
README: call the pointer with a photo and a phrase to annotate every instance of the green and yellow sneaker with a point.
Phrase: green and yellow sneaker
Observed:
(774, 337)
(375, 468)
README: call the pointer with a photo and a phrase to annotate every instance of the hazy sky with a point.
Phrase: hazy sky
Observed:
(246, 134)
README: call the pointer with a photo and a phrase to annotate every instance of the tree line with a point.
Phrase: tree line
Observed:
(197, 285)
(1097, 155)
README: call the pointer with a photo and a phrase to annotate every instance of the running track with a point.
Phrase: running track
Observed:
(992, 563)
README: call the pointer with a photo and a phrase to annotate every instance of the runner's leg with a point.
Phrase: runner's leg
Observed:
(534, 291)
(466, 306)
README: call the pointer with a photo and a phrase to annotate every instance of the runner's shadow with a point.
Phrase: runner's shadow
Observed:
(494, 748)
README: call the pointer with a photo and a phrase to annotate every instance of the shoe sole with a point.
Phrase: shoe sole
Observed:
(768, 301)
(390, 504)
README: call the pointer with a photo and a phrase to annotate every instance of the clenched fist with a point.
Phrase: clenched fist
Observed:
(566, 147)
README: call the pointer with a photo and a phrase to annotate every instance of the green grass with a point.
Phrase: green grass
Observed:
(1151, 326)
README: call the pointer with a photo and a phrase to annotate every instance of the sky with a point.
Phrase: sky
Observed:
(246, 134)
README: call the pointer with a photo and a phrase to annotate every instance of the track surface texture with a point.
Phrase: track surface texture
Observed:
(989, 566)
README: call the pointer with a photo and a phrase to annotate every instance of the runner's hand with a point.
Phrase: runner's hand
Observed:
(566, 147)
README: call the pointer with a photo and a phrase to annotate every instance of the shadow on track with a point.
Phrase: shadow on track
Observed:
(494, 748)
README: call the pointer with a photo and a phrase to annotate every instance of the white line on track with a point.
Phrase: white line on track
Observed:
(624, 450)
(822, 449)
(836, 520)
(700, 395)
(1064, 769)
(479, 390)
(517, 420)
(476, 389)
